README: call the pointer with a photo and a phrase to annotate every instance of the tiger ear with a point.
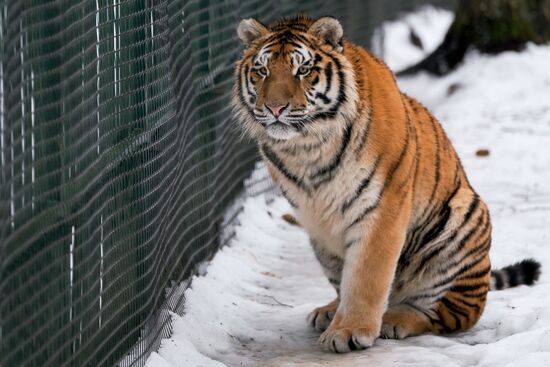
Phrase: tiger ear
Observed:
(329, 30)
(250, 30)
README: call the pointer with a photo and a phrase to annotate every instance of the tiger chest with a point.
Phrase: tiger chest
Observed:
(325, 206)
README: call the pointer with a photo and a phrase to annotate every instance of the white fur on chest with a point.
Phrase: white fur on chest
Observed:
(321, 212)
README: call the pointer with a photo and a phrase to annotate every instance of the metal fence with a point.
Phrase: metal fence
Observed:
(118, 158)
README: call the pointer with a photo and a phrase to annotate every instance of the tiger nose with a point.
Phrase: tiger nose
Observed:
(276, 109)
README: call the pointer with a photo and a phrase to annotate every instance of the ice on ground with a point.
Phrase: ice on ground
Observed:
(250, 308)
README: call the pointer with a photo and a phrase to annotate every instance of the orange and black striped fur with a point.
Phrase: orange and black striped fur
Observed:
(393, 220)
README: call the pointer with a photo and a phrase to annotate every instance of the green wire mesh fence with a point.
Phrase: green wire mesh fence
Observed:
(119, 156)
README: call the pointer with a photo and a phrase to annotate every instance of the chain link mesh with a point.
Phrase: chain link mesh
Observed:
(119, 157)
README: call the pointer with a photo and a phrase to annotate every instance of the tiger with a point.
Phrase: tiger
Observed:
(374, 180)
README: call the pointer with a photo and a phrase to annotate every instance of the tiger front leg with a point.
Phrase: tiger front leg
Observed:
(331, 264)
(369, 268)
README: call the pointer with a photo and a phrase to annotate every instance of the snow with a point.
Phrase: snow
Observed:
(250, 307)
(391, 41)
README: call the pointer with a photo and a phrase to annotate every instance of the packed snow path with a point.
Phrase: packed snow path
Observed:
(250, 308)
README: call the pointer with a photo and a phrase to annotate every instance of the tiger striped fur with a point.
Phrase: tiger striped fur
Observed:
(393, 220)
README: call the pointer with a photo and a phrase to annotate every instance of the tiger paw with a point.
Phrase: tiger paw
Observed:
(403, 321)
(321, 317)
(346, 339)
(392, 331)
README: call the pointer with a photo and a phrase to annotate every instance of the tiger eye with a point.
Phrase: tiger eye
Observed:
(303, 70)
(262, 71)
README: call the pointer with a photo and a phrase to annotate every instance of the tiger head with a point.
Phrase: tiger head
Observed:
(294, 79)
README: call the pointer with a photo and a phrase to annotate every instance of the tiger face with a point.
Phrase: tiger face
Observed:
(293, 80)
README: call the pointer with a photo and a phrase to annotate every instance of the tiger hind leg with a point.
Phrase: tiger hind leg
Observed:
(459, 311)
(456, 311)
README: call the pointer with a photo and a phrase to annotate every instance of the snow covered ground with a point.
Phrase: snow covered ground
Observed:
(250, 308)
